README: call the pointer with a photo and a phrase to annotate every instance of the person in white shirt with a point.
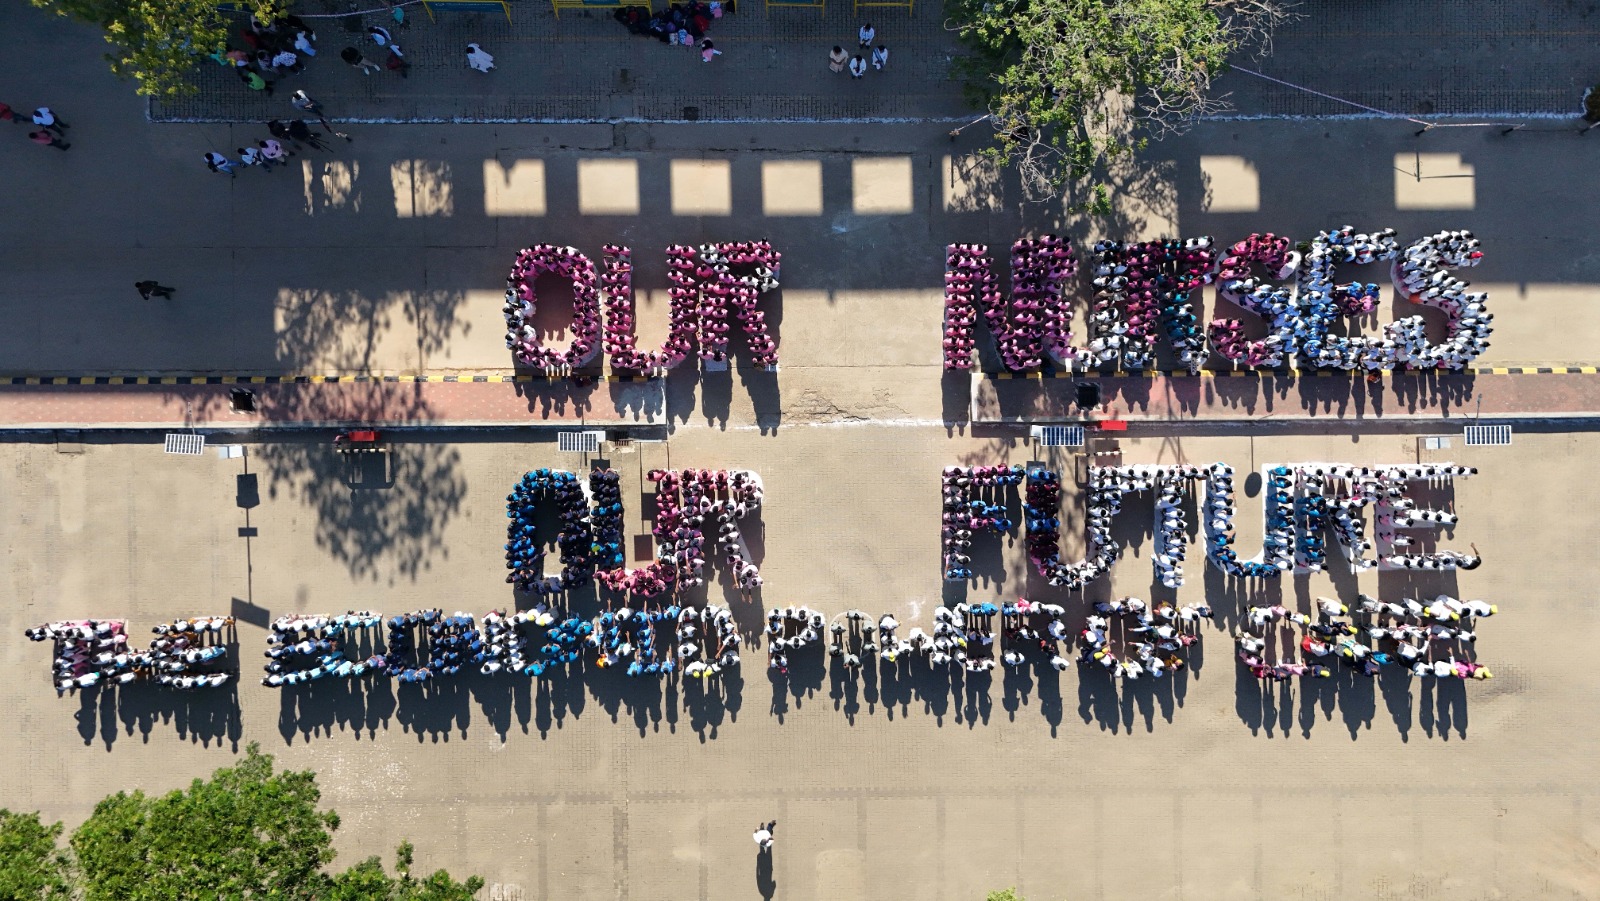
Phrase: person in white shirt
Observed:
(880, 57)
(478, 59)
(866, 34)
(858, 67)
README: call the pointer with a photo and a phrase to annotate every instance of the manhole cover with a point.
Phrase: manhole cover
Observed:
(691, 113)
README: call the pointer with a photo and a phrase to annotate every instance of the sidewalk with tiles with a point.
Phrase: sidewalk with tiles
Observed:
(587, 67)
(1245, 397)
(1426, 58)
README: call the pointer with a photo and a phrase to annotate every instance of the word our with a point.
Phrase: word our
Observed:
(710, 283)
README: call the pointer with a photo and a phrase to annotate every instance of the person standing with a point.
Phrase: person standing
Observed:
(151, 288)
(763, 835)
(44, 118)
(708, 50)
(48, 139)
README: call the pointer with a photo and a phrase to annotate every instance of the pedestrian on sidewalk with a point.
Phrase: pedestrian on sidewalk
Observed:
(255, 81)
(302, 42)
(252, 156)
(44, 118)
(858, 66)
(478, 59)
(289, 60)
(763, 835)
(48, 139)
(397, 61)
(708, 50)
(301, 133)
(150, 288)
(866, 34)
(304, 101)
(216, 162)
(353, 56)
(880, 57)
(273, 152)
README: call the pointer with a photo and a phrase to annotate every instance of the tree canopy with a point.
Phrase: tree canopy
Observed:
(245, 833)
(160, 42)
(1073, 86)
(31, 866)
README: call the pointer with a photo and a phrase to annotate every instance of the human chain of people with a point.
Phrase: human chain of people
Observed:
(650, 626)
(1142, 293)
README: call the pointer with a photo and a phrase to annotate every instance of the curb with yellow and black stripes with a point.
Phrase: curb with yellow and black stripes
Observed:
(1294, 373)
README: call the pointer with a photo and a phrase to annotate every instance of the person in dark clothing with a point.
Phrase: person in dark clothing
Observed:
(150, 288)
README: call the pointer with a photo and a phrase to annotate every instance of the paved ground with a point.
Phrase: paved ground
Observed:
(1426, 58)
(387, 255)
(604, 787)
(384, 259)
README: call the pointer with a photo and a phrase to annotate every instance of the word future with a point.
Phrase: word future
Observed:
(1303, 502)
(1149, 290)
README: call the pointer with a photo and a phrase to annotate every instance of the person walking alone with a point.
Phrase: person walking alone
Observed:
(763, 835)
(150, 288)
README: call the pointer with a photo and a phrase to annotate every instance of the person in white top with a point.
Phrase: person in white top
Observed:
(763, 835)
(478, 59)
(866, 34)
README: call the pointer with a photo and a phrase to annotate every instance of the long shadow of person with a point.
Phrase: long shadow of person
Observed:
(766, 884)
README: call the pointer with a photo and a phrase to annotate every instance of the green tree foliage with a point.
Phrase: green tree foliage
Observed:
(247, 832)
(1076, 86)
(367, 881)
(1005, 894)
(159, 42)
(31, 866)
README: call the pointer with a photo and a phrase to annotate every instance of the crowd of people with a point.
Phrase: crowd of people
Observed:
(679, 24)
(965, 513)
(309, 648)
(1273, 303)
(1432, 640)
(1304, 500)
(522, 338)
(1042, 514)
(710, 285)
(1144, 289)
(1129, 640)
(1035, 325)
(92, 652)
(591, 540)
(524, 549)
(791, 629)
(1140, 287)
(508, 650)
